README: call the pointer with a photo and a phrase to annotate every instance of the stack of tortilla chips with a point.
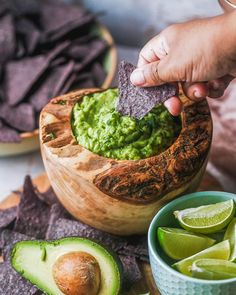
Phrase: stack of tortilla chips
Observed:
(46, 49)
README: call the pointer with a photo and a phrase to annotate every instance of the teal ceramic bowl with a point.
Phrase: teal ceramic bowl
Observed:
(168, 280)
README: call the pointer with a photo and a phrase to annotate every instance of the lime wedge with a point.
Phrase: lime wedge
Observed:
(178, 243)
(206, 219)
(213, 269)
(230, 235)
(218, 251)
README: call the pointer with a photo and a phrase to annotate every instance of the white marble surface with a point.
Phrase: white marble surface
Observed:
(13, 169)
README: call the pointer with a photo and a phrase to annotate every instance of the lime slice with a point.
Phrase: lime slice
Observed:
(178, 243)
(206, 219)
(218, 251)
(230, 235)
(213, 269)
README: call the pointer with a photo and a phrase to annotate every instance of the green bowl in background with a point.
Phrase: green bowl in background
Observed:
(168, 280)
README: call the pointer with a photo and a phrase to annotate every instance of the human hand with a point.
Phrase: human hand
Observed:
(201, 54)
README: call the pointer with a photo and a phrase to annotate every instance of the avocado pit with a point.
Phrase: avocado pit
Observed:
(77, 273)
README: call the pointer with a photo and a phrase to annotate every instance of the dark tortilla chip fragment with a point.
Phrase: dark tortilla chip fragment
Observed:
(48, 196)
(11, 283)
(68, 228)
(96, 49)
(21, 75)
(32, 214)
(53, 79)
(28, 33)
(7, 38)
(98, 73)
(132, 273)
(67, 71)
(8, 135)
(57, 211)
(7, 216)
(135, 101)
(21, 8)
(20, 117)
(66, 18)
(8, 239)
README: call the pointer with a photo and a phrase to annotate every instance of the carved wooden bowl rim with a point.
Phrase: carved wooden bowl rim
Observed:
(138, 181)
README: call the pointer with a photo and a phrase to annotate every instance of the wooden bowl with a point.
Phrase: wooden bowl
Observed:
(30, 140)
(121, 196)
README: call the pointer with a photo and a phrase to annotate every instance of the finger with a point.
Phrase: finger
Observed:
(147, 75)
(154, 50)
(195, 91)
(174, 105)
(217, 87)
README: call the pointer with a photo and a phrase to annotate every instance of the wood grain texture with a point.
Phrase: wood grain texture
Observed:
(147, 283)
(124, 195)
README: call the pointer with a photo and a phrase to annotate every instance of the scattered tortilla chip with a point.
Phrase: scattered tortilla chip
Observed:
(48, 197)
(7, 216)
(138, 101)
(32, 214)
(11, 283)
(56, 212)
(20, 117)
(132, 273)
(77, 51)
(67, 228)
(7, 38)
(8, 135)
(23, 73)
(8, 238)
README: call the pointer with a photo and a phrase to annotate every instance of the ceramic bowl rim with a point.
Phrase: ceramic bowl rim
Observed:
(152, 229)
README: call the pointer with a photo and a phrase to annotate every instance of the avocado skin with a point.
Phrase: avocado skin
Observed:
(22, 256)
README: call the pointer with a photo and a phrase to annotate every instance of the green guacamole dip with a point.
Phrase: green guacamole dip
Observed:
(98, 127)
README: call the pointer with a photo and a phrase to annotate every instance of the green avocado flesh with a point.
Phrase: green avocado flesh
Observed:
(98, 127)
(34, 260)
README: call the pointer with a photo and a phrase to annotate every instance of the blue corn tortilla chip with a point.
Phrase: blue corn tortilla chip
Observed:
(7, 38)
(57, 211)
(135, 101)
(28, 33)
(8, 135)
(7, 216)
(50, 86)
(67, 228)
(7, 240)
(48, 196)
(11, 283)
(21, 8)
(66, 18)
(98, 73)
(32, 214)
(21, 75)
(134, 246)
(65, 74)
(20, 117)
(96, 49)
(132, 273)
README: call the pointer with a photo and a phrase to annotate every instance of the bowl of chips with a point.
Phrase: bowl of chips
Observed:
(42, 57)
(120, 189)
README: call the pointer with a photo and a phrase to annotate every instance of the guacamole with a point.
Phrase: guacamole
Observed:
(98, 127)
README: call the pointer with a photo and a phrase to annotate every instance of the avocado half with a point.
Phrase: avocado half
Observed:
(34, 260)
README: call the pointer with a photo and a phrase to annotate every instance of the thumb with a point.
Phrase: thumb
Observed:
(153, 74)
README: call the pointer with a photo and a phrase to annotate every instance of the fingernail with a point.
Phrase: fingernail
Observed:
(137, 77)
(197, 94)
